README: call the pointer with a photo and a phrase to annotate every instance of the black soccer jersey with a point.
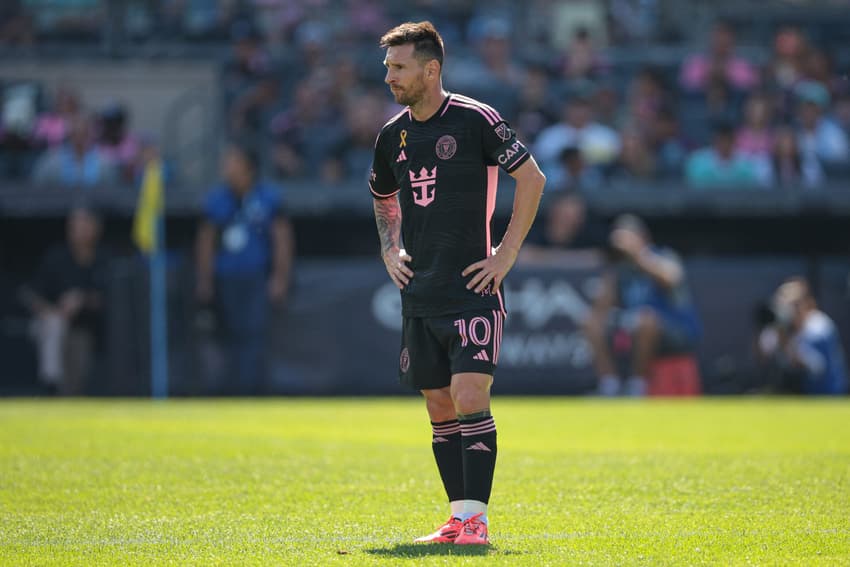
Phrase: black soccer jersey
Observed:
(444, 171)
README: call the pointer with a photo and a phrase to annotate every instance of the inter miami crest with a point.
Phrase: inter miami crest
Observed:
(446, 147)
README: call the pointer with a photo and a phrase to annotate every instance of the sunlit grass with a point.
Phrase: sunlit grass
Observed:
(316, 482)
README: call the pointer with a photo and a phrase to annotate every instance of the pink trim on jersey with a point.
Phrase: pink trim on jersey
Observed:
(383, 196)
(485, 107)
(475, 108)
(492, 189)
(447, 105)
(516, 161)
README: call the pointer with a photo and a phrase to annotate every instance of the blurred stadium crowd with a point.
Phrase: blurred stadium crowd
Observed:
(307, 91)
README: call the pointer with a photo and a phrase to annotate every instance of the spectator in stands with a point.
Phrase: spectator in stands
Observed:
(818, 134)
(791, 167)
(492, 38)
(67, 300)
(573, 173)
(52, 127)
(244, 256)
(634, 21)
(16, 24)
(278, 19)
(720, 62)
(18, 115)
(599, 145)
(76, 164)
(535, 104)
(802, 349)
(581, 59)
(305, 134)
(643, 306)
(252, 110)
(637, 161)
(699, 112)
(647, 95)
(818, 66)
(366, 19)
(116, 143)
(247, 64)
(491, 74)
(364, 115)
(607, 106)
(669, 147)
(721, 167)
(346, 81)
(77, 20)
(755, 137)
(209, 19)
(568, 234)
(786, 68)
(312, 38)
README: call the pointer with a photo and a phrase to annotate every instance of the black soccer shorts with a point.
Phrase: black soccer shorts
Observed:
(433, 349)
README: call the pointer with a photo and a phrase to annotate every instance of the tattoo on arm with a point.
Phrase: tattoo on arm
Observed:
(388, 219)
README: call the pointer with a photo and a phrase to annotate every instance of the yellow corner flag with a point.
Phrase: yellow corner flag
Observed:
(149, 209)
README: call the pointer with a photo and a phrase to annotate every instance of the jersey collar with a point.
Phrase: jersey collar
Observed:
(439, 112)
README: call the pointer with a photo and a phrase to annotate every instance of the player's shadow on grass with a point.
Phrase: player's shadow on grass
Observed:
(412, 550)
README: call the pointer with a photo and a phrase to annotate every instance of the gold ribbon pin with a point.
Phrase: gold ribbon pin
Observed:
(403, 136)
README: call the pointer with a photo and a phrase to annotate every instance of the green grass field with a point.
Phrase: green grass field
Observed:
(351, 482)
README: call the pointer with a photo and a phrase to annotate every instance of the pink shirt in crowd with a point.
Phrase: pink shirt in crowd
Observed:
(754, 142)
(740, 73)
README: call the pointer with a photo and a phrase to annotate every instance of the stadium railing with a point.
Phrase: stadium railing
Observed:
(305, 199)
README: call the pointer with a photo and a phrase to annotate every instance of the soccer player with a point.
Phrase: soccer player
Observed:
(434, 180)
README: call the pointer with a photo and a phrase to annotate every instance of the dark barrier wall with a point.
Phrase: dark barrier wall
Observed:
(340, 332)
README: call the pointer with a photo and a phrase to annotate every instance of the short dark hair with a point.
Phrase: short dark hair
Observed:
(426, 40)
(569, 153)
(248, 152)
(88, 208)
(723, 127)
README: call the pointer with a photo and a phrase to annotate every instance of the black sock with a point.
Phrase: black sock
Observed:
(447, 453)
(478, 439)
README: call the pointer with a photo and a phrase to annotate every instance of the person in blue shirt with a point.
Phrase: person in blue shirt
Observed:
(76, 164)
(643, 306)
(244, 255)
(720, 166)
(810, 346)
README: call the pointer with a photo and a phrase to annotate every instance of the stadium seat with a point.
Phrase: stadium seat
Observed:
(674, 376)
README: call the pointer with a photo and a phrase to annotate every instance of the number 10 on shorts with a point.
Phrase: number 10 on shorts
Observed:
(481, 332)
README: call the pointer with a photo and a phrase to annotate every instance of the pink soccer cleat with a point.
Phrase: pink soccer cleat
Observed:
(444, 534)
(473, 532)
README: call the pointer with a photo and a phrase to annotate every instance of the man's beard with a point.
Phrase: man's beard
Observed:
(411, 96)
